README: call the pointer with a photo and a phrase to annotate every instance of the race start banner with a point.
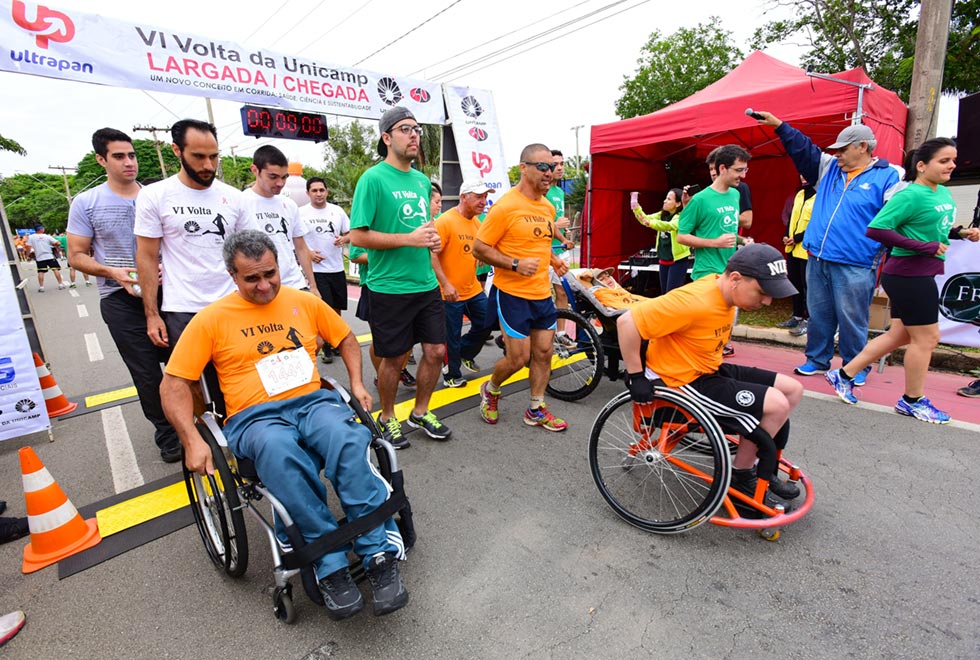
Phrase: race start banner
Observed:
(959, 295)
(40, 40)
(22, 409)
(478, 144)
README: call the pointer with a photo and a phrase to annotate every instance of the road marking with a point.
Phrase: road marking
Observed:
(108, 397)
(126, 473)
(82, 311)
(364, 339)
(73, 293)
(93, 346)
(820, 396)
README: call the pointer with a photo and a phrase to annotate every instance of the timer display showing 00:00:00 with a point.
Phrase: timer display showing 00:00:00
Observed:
(263, 120)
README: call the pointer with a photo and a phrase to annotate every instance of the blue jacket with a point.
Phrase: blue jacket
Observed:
(841, 217)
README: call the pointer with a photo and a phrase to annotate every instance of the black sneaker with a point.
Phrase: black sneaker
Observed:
(341, 596)
(783, 489)
(411, 359)
(12, 529)
(171, 453)
(386, 583)
(745, 482)
(326, 355)
(431, 425)
(408, 380)
(3, 505)
(392, 432)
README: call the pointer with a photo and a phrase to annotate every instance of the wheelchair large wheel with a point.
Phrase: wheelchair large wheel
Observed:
(576, 365)
(663, 467)
(218, 512)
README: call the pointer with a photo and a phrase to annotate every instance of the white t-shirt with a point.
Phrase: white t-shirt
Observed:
(325, 226)
(43, 245)
(278, 217)
(192, 225)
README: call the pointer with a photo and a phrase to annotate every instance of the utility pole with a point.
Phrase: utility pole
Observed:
(156, 143)
(927, 72)
(64, 175)
(578, 158)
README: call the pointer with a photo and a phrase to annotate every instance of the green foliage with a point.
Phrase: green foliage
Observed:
(6, 144)
(514, 174)
(350, 151)
(35, 199)
(236, 171)
(876, 35)
(674, 67)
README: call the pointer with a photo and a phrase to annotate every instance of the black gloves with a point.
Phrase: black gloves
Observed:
(641, 390)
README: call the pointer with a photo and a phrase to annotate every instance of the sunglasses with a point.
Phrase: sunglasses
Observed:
(539, 166)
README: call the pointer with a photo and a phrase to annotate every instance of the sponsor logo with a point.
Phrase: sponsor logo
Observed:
(47, 24)
(744, 398)
(471, 107)
(960, 298)
(25, 405)
(482, 162)
(389, 91)
(478, 134)
(265, 347)
(7, 371)
(419, 95)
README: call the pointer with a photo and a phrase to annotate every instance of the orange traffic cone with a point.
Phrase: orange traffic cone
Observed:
(56, 402)
(57, 529)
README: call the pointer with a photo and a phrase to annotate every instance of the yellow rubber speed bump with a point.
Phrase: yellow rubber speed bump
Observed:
(137, 510)
(109, 397)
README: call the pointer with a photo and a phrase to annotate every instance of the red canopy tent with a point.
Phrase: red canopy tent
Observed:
(667, 148)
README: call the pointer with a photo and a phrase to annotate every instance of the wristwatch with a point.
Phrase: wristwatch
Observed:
(513, 265)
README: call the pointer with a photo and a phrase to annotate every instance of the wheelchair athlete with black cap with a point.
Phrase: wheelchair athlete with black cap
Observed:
(262, 340)
(687, 330)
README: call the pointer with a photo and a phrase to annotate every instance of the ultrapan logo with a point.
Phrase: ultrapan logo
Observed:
(50, 25)
(482, 162)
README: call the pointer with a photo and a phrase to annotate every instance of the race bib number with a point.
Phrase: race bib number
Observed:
(284, 371)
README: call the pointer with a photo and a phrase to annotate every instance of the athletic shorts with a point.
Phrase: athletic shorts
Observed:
(333, 289)
(914, 300)
(363, 310)
(518, 316)
(401, 320)
(734, 395)
(48, 264)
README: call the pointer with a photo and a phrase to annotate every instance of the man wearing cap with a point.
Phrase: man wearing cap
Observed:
(455, 269)
(390, 218)
(852, 186)
(516, 240)
(687, 330)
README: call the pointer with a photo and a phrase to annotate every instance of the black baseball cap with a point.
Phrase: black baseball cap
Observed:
(388, 121)
(766, 264)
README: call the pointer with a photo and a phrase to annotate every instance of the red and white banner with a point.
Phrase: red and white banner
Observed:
(43, 41)
(481, 153)
(959, 295)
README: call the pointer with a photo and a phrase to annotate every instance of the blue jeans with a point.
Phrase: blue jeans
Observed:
(290, 442)
(838, 298)
(469, 345)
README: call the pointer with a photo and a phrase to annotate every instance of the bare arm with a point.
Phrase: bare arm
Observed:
(350, 353)
(745, 220)
(148, 270)
(449, 292)
(723, 241)
(491, 255)
(178, 406)
(425, 236)
(305, 263)
(80, 259)
(629, 343)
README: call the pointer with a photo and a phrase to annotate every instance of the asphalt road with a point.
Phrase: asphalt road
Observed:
(518, 556)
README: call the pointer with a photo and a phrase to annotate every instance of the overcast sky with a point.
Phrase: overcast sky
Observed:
(540, 94)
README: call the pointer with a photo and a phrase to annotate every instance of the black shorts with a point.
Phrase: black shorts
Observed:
(914, 300)
(45, 265)
(363, 310)
(734, 395)
(401, 320)
(333, 289)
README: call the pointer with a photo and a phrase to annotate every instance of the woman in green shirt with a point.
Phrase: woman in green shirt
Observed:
(674, 258)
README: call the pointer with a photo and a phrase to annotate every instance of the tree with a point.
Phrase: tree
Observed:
(89, 172)
(35, 199)
(6, 144)
(350, 151)
(876, 35)
(674, 67)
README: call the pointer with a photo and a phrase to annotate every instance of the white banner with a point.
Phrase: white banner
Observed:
(22, 408)
(481, 153)
(959, 295)
(42, 41)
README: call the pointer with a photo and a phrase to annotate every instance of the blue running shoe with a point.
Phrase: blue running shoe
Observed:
(862, 377)
(843, 387)
(809, 368)
(923, 410)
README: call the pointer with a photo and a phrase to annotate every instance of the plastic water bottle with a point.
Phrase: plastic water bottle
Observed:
(136, 287)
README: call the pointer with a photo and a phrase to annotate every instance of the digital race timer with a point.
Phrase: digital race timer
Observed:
(287, 124)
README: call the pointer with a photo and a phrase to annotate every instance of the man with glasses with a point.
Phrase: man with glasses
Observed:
(516, 240)
(852, 186)
(390, 218)
(709, 223)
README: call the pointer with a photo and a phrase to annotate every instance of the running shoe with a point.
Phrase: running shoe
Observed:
(453, 382)
(40, 289)
(791, 322)
(488, 403)
(408, 380)
(392, 432)
(922, 410)
(809, 368)
(471, 365)
(431, 425)
(843, 387)
(10, 625)
(799, 330)
(564, 340)
(326, 355)
(861, 378)
(542, 417)
(728, 351)
(341, 596)
(388, 590)
(972, 390)
(62, 286)
(72, 286)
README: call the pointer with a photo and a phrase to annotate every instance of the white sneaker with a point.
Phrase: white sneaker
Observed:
(62, 286)
(40, 289)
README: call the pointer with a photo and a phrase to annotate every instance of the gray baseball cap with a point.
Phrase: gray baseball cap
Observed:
(764, 263)
(855, 133)
(388, 121)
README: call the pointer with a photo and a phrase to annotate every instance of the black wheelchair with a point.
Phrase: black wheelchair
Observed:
(217, 502)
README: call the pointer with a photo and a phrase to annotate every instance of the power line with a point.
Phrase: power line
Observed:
(336, 25)
(160, 104)
(262, 24)
(293, 26)
(393, 41)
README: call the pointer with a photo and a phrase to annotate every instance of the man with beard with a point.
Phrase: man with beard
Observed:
(181, 226)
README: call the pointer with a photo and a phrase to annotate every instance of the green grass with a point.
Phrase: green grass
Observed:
(767, 317)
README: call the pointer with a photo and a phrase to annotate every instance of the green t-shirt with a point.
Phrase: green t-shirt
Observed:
(556, 196)
(710, 214)
(919, 213)
(482, 268)
(63, 239)
(391, 201)
(362, 269)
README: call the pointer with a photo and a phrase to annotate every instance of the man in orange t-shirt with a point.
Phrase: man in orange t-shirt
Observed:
(262, 342)
(462, 293)
(687, 330)
(516, 240)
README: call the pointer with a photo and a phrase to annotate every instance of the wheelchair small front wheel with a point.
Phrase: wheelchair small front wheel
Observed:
(664, 466)
(577, 361)
(282, 604)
